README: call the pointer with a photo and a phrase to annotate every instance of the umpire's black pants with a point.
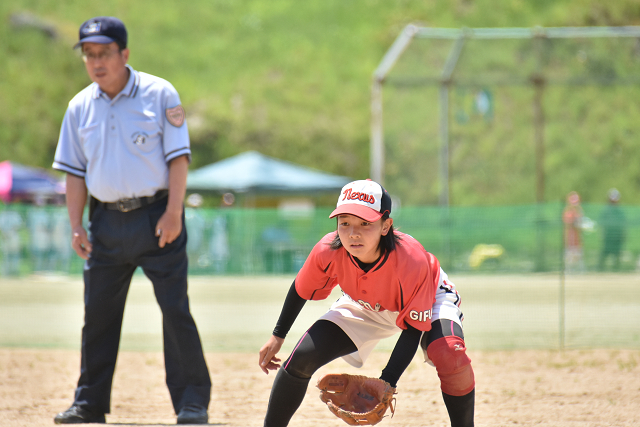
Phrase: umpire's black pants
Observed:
(121, 242)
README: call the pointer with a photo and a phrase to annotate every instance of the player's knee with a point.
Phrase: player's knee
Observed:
(449, 356)
(300, 367)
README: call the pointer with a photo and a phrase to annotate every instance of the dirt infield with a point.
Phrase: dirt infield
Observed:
(519, 388)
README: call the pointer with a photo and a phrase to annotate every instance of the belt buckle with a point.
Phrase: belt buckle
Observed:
(122, 207)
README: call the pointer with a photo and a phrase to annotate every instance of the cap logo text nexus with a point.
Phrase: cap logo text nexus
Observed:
(354, 195)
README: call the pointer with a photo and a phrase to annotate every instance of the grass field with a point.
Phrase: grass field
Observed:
(237, 314)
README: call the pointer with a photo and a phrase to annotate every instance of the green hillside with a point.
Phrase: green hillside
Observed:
(292, 80)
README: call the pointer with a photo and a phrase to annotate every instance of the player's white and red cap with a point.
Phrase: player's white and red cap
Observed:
(365, 199)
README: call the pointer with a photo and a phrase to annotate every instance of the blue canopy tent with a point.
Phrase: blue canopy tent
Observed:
(252, 172)
(266, 242)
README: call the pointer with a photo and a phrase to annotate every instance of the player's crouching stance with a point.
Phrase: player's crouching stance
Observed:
(390, 285)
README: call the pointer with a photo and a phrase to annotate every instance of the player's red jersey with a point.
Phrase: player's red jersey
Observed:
(404, 280)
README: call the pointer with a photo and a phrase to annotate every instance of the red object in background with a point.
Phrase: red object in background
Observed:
(19, 183)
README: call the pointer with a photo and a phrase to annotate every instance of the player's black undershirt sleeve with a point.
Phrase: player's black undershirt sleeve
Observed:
(293, 303)
(402, 355)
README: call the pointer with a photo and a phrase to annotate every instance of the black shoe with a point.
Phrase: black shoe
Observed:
(77, 415)
(193, 414)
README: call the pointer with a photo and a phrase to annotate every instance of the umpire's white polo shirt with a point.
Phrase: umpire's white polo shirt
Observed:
(122, 146)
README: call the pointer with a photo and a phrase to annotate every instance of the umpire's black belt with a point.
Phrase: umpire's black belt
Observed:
(126, 205)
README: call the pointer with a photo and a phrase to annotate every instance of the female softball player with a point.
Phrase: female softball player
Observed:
(390, 285)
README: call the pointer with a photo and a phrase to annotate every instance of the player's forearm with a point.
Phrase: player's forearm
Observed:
(178, 170)
(402, 355)
(292, 306)
(76, 193)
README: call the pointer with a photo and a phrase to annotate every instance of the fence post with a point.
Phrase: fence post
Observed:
(561, 296)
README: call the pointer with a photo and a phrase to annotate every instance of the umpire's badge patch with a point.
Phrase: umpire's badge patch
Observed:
(175, 115)
(139, 138)
(92, 27)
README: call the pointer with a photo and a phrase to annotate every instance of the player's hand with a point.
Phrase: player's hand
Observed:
(268, 360)
(80, 242)
(169, 227)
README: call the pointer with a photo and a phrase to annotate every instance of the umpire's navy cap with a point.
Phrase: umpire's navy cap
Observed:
(104, 30)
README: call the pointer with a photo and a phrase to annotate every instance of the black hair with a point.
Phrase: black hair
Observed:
(387, 242)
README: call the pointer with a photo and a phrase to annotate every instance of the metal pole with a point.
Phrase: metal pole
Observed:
(562, 291)
(445, 82)
(444, 170)
(377, 141)
(446, 79)
(525, 33)
(377, 138)
(444, 145)
(538, 123)
(538, 81)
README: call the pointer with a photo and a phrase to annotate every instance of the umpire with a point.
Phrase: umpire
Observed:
(124, 140)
